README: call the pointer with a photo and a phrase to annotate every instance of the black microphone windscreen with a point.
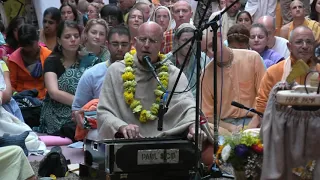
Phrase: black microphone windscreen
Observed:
(146, 58)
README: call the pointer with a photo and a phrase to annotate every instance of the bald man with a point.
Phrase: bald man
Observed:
(181, 13)
(276, 43)
(115, 112)
(301, 45)
(297, 9)
(285, 9)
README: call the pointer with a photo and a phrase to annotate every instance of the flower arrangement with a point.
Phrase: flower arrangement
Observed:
(129, 84)
(244, 151)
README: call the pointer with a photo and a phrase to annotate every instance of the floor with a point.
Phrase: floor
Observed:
(76, 156)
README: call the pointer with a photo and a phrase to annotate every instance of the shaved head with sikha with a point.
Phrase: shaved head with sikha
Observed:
(148, 41)
(302, 43)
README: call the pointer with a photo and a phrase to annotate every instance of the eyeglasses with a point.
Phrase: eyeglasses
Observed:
(145, 39)
(122, 44)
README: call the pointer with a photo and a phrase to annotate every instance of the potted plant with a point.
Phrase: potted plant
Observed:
(244, 151)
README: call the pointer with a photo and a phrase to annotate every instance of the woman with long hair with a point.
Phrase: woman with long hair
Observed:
(93, 43)
(135, 19)
(51, 20)
(315, 10)
(12, 37)
(244, 17)
(61, 76)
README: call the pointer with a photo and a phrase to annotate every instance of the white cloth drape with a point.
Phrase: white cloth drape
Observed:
(258, 8)
(11, 125)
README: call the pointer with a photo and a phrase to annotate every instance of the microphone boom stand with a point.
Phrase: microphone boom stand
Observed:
(216, 173)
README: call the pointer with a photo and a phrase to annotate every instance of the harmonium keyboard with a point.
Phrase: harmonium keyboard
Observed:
(135, 156)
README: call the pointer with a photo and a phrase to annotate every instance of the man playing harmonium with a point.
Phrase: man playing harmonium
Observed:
(130, 96)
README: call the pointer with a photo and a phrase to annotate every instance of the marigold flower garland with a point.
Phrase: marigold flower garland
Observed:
(129, 86)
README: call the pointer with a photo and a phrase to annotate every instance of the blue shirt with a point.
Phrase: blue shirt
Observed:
(89, 86)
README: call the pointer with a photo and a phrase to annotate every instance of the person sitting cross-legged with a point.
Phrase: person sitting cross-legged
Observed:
(90, 83)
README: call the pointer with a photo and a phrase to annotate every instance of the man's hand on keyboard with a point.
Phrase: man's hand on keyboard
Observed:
(130, 131)
(192, 132)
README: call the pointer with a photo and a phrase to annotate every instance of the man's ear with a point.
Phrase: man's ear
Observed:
(134, 42)
(107, 44)
(289, 46)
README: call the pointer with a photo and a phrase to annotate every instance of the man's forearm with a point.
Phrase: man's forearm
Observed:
(255, 122)
(224, 125)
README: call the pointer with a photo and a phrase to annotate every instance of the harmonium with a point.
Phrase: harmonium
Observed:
(145, 158)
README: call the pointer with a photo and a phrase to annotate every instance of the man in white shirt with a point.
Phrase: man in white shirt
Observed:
(228, 19)
(258, 8)
(276, 43)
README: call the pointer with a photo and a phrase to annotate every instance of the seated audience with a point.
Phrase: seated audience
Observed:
(182, 35)
(181, 13)
(301, 45)
(7, 102)
(239, 73)
(94, 10)
(51, 20)
(71, 2)
(162, 16)
(238, 37)
(276, 43)
(112, 15)
(11, 37)
(259, 42)
(68, 12)
(244, 18)
(94, 38)
(315, 10)
(61, 76)
(90, 83)
(15, 164)
(228, 19)
(82, 8)
(135, 19)
(258, 8)
(26, 63)
(126, 6)
(298, 11)
(167, 3)
(145, 8)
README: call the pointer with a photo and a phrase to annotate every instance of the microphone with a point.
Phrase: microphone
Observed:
(162, 109)
(241, 106)
(147, 60)
(205, 127)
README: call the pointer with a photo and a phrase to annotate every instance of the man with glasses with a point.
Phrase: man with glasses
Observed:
(276, 43)
(90, 83)
(301, 45)
(117, 112)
